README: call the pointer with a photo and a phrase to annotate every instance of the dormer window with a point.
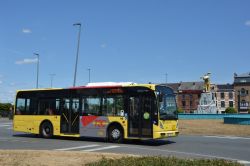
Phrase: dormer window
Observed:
(243, 80)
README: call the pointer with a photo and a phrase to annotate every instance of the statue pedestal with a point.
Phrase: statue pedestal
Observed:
(207, 104)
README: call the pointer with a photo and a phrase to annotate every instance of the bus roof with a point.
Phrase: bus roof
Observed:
(98, 85)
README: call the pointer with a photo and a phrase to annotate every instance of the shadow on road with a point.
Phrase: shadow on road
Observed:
(101, 140)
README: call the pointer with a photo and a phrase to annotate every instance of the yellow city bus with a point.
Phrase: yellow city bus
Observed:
(116, 111)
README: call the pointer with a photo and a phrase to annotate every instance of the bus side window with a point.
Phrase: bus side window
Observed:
(91, 106)
(113, 106)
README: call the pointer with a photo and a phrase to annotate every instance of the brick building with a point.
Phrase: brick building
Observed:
(189, 94)
(225, 97)
(242, 89)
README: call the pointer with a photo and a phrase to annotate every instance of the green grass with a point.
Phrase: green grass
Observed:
(161, 161)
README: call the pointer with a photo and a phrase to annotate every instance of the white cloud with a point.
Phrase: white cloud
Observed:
(12, 84)
(26, 61)
(103, 45)
(26, 30)
(247, 23)
(1, 82)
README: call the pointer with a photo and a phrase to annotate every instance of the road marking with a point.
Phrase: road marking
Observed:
(78, 147)
(5, 125)
(10, 128)
(227, 137)
(243, 162)
(190, 153)
(98, 149)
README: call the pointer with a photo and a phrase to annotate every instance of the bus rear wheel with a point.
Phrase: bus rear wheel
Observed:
(115, 134)
(46, 130)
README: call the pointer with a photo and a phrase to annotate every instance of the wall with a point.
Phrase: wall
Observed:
(210, 116)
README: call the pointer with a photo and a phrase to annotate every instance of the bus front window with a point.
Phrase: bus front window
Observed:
(167, 103)
(168, 108)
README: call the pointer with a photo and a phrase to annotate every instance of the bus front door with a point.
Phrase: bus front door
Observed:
(70, 116)
(140, 117)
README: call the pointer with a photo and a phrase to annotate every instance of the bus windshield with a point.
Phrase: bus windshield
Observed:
(167, 103)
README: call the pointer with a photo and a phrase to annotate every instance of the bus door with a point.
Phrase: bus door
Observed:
(70, 116)
(140, 112)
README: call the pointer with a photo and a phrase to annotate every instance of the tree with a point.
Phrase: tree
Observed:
(5, 109)
(230, 110)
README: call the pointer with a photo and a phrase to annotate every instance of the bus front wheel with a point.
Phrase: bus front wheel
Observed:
(46, 130)
(115, 134)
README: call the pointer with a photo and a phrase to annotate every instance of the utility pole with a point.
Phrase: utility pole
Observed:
(37, 69)
(77, 52)
(89, 73)
(51, 79)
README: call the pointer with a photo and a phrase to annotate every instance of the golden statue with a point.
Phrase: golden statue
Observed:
(206, 79)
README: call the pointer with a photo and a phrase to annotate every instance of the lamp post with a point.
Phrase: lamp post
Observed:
(166, 77)
(89, 73)
(51, 79)
(37, 69)
(77, 52)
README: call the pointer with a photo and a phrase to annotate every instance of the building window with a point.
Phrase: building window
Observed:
(191, 96)
(183, 97)
(243, 103)
(231, 104)
(222, 104)
(243, 92)
(191, 103)
(183, 103)
(222, 95)
(230, 95)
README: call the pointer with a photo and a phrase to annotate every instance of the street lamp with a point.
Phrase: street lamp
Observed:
(89, 73)
(51, 79)
(166, 77)
(37, 69)
(77, 52)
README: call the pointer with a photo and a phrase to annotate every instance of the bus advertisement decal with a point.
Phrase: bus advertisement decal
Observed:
(86, 120)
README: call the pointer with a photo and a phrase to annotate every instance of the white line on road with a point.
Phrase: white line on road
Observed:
(10, 128)
(190, 153)
(243, 162)
(5, 125)
(227, 137)
(78, 147)
(98, 149)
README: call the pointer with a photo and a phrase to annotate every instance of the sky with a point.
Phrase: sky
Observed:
(121, 40)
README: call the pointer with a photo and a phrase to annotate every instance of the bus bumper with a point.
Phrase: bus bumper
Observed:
(165, 134)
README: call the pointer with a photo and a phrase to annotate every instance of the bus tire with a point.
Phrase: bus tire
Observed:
(46, 130)
(115, 134)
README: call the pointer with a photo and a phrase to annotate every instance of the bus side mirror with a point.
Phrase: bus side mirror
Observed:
(160, 96)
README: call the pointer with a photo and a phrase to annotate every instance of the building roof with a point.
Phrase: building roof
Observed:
(174, 86)
(241, 78)
(197, 86)
(225, 87)
(245, 75)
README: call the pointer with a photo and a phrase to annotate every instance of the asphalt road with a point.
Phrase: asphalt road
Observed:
(231, 148)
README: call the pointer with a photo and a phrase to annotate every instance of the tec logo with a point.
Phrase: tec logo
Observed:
(100, 123)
